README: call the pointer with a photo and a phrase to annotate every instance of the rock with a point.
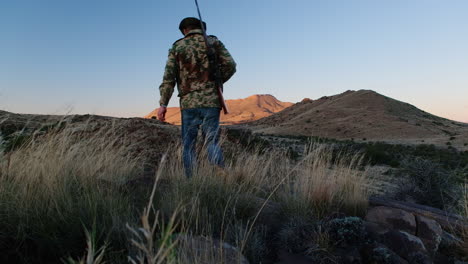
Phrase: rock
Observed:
(392, 218)
(375, 231)
(449, 241)
(430, 233)
(407, 246)
(452, 246)
(380, 254)
(197, 249)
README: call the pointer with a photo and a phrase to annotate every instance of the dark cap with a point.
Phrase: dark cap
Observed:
(190, 21)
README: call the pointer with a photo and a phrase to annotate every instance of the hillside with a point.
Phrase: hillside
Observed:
(138, 135)
(241, 110)
(363, 115)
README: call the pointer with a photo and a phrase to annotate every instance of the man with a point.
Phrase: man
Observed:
(188, 66)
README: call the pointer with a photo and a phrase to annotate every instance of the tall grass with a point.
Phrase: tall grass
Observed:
(223, 203)
(322, 183)
(57, 185)
(64, 182)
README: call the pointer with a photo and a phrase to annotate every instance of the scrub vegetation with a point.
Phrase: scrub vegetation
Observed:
(427, 174)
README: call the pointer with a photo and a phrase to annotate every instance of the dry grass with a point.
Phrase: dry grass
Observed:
(324, 183)
(60, 182)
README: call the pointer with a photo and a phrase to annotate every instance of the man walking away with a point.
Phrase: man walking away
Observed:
(188, 66)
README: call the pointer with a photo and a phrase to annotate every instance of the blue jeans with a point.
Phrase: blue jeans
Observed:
(206, 118)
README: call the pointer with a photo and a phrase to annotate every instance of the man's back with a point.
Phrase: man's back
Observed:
(188, 65)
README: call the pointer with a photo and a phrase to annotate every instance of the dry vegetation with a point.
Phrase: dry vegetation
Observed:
(66, 196)
(464, 213)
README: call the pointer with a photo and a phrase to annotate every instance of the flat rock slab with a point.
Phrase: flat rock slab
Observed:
(392, 218)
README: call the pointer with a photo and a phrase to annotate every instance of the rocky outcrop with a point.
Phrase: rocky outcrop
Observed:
(385, 235)
(410, 235)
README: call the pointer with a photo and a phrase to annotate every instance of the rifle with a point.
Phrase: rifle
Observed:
(213, 65)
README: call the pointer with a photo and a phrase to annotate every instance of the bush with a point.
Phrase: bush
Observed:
(430, 184)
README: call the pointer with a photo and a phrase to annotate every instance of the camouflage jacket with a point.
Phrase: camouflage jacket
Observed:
(188, 66)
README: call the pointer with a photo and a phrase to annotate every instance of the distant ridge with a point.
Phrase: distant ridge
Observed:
(241, 110)
(362, 115)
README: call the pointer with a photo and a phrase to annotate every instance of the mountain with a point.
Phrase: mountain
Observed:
(240, 110)
(363, 115)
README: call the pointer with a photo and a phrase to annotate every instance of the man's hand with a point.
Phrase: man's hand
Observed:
(162, 113)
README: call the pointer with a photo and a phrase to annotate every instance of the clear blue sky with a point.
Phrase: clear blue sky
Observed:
(107, 57)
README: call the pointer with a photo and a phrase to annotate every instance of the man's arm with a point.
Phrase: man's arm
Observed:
(169, 80)
(226, 62)
(167, 86)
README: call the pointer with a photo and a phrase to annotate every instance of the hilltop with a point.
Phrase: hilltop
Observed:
(241, 110)
(363, 115)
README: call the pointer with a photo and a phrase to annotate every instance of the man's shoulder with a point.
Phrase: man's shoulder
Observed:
(178, 45)
(177, 41)
(212, 39)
